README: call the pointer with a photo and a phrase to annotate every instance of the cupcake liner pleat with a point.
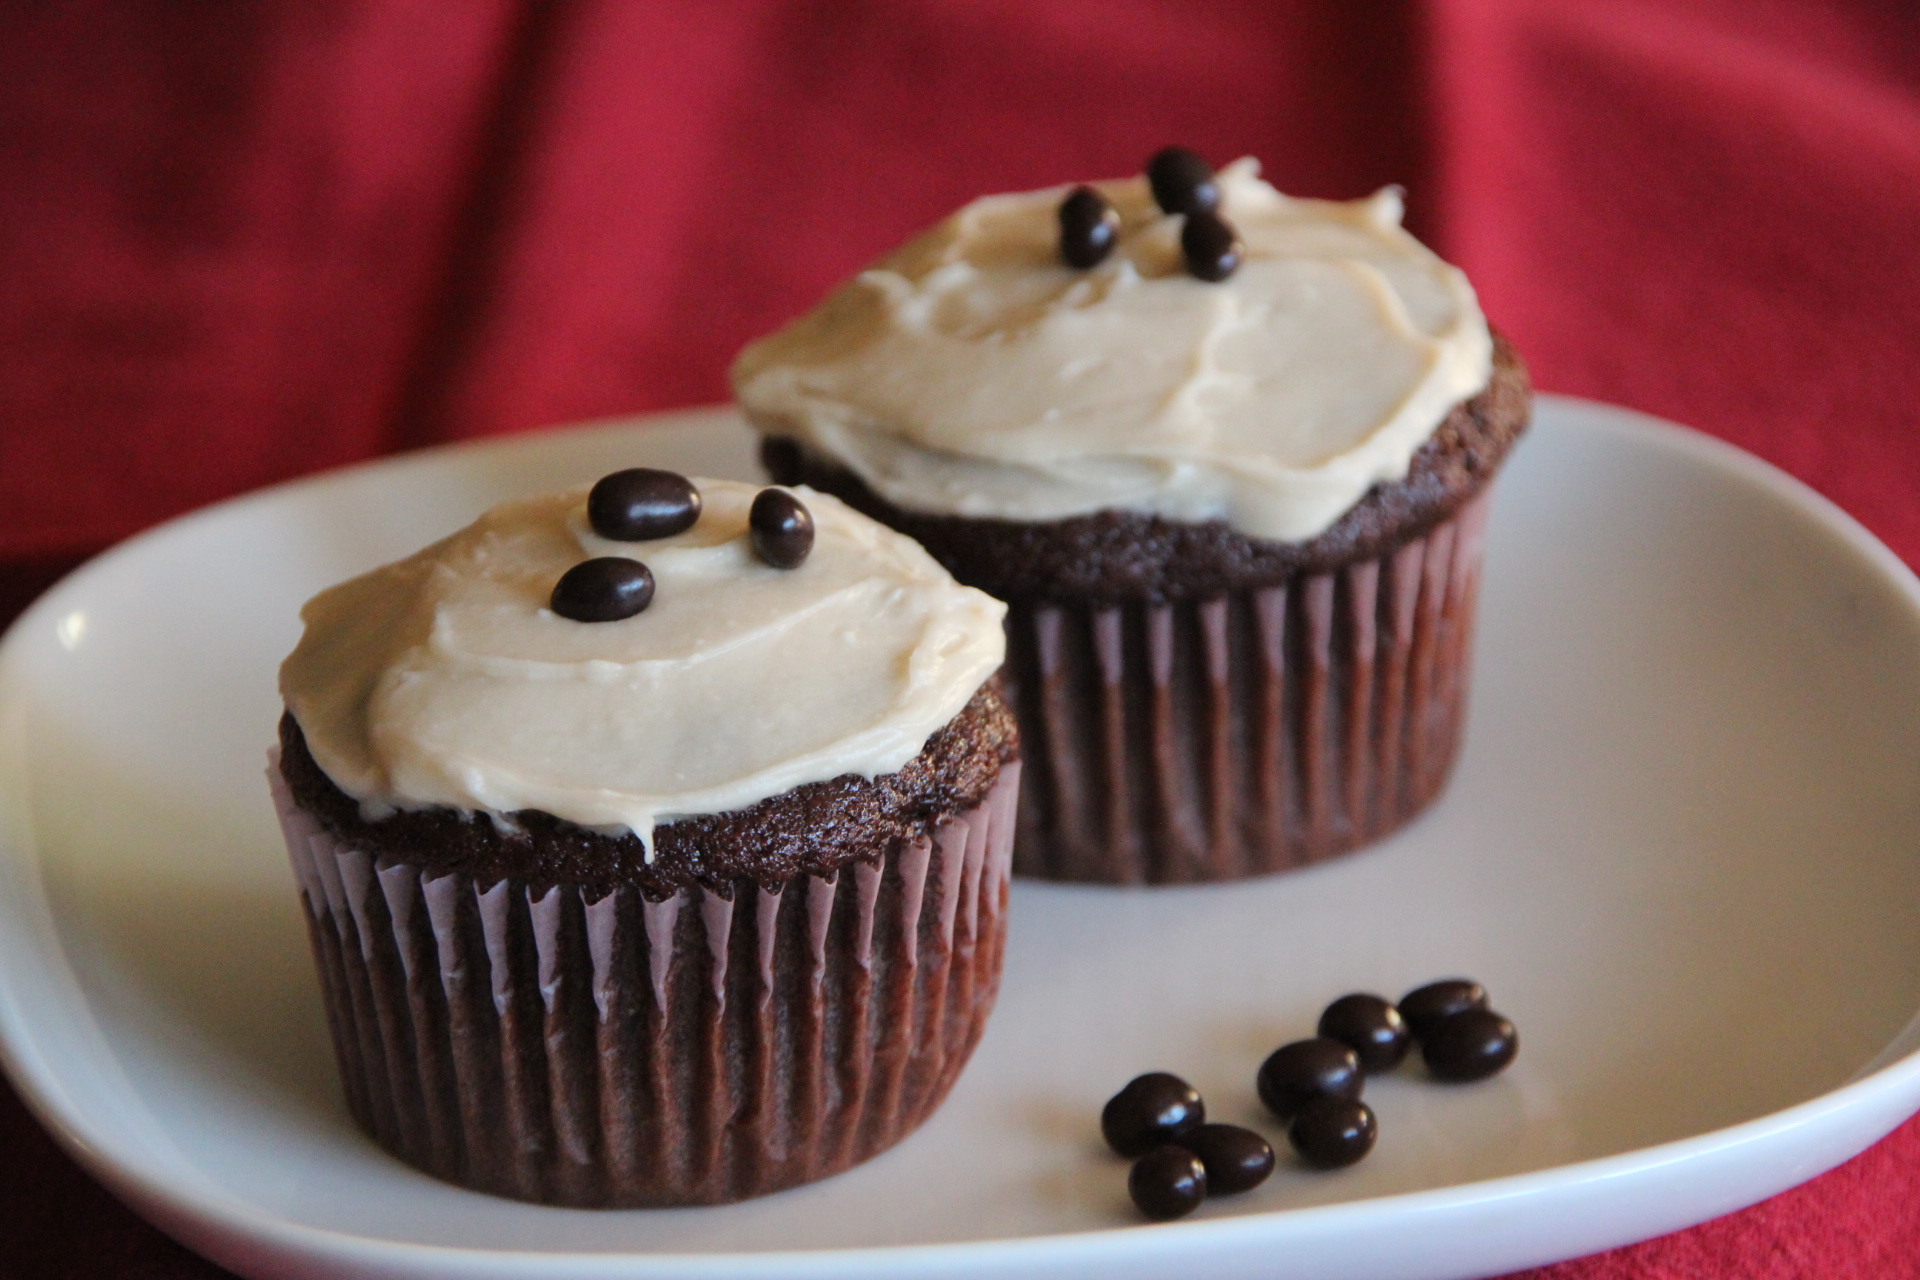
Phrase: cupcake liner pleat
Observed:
(621, 1052)
(1249, 733)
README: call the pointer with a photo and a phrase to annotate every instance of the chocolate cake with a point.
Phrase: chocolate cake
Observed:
(1225, 453)
(750, 948)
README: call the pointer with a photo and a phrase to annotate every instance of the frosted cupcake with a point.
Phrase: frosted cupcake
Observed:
(1226, 454)
(653, 847)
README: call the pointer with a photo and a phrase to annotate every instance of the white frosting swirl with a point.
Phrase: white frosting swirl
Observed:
(444, 679)
(972, 372)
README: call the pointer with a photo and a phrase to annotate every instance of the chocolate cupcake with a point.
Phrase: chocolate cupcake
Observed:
(1227, 457)
(654, 848)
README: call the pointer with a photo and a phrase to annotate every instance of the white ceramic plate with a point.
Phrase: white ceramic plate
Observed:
(1682, 849)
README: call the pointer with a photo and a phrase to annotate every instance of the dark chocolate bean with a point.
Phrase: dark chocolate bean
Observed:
(1471, 1045)
(642, 503)
(1370, 1027)
(1089, 228)
(781, 527)
(1295, 1074)
(1332, 1133)
(1424, 1007)
(1236, 1159)
(1167, 1183)
(605, 589)
(1153, 1109)
(1182, 182)
(1211, 245)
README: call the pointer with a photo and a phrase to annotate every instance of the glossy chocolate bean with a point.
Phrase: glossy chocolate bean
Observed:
(1332, 1133)
(605, 589)
(1182, 182)
(1167, 1183)
(1211, 245)
(1295, 1074)
(1423, 1008)
(1369, 1026)
(642, 503)
(1089, 228)
(781, 528)
(1236, 1159)
(1153, 1109)
(1471, 1045)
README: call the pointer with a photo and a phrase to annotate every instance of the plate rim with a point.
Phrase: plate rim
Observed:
(214, 1222)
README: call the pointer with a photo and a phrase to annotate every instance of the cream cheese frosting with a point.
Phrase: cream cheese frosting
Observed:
(445, 679)
(972, 372)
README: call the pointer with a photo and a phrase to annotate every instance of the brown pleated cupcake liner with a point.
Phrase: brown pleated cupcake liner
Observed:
(1247, 734)
(619, 1052)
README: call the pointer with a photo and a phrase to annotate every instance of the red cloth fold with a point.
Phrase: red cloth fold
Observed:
(238, 243)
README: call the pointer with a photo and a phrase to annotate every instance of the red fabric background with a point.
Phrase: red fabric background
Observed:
(241, 242)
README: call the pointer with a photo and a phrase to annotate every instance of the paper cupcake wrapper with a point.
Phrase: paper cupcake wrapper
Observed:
(1251, 733)
(620, 1052)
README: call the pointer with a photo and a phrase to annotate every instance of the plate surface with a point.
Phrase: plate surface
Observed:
(1682, 849)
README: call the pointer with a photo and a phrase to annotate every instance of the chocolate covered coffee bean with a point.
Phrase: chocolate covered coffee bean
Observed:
(642, 503)
(1211, 246)
(1470, 1045)
(1089, 228)
(1369, 1026)
(1236, 1159)
(781, 528)
(1295, 1074)
(1182, 182)
(1424, 1007)
(1167, 1183)
(605, 589)
(1154, 1108)
(1332, 1133)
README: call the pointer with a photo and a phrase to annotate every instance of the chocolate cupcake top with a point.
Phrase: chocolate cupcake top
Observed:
(1265, 369)
(533, 662)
